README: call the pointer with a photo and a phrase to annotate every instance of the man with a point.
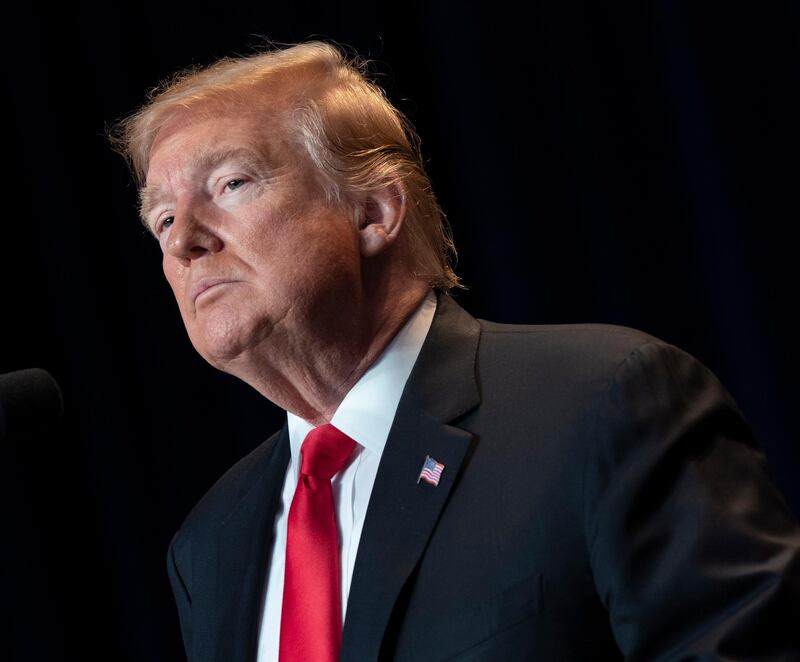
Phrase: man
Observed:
(444, 488)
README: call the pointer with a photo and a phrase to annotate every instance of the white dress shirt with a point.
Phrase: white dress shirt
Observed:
(365, 414)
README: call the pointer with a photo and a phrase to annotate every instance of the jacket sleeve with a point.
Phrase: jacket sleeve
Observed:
(178, 579)
(694, 552)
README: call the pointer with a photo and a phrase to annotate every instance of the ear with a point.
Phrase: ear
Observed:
(381, 219)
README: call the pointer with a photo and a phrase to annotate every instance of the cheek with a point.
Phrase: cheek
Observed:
(321, 263)
(175, 277)
(292, 252)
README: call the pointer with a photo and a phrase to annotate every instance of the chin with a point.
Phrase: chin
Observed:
(219, 336)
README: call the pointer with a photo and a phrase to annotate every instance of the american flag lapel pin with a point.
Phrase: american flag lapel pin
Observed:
(431, 471)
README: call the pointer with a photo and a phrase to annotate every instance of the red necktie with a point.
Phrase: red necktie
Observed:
(311, 616)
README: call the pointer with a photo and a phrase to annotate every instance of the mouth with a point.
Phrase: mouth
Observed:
(205, 285)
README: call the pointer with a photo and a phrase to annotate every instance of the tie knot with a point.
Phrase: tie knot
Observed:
(325, 452)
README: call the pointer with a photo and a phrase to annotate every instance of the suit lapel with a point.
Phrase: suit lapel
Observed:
(245, 540)
(402, 513)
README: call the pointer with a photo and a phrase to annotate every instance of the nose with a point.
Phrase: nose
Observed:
(192, 234)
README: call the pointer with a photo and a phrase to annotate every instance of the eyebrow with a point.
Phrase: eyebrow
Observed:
(151, 196)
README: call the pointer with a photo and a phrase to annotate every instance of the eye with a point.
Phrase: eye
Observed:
(165, 223)
(234, 184)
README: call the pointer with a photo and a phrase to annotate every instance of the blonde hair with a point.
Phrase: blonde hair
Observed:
(357, 140)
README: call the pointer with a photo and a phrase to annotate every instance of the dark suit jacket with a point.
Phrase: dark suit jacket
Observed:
(602, 498)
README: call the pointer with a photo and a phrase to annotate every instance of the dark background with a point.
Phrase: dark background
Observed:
(630, 163)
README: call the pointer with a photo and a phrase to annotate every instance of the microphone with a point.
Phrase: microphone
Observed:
(30, 403)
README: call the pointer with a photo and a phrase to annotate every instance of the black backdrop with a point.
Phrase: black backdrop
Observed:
(631, 163)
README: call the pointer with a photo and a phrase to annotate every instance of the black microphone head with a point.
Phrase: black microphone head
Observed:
(30, 403)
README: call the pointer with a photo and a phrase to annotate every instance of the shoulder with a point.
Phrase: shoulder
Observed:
(585, 349)
(573, 337)
(573, 365)
(591, 367)
(561, 347)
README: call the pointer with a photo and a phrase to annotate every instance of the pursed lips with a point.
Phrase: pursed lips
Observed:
(205, 284)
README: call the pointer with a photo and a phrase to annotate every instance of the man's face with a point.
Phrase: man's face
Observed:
(255, 256)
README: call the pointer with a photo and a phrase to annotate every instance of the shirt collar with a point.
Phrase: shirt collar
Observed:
(367, 411)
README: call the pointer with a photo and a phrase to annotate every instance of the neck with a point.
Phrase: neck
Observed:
(320, 363)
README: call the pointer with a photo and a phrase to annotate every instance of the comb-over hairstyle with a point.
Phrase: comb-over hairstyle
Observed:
(358, 141)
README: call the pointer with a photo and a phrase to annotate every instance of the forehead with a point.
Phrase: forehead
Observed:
(194, 142)
(259, 116)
